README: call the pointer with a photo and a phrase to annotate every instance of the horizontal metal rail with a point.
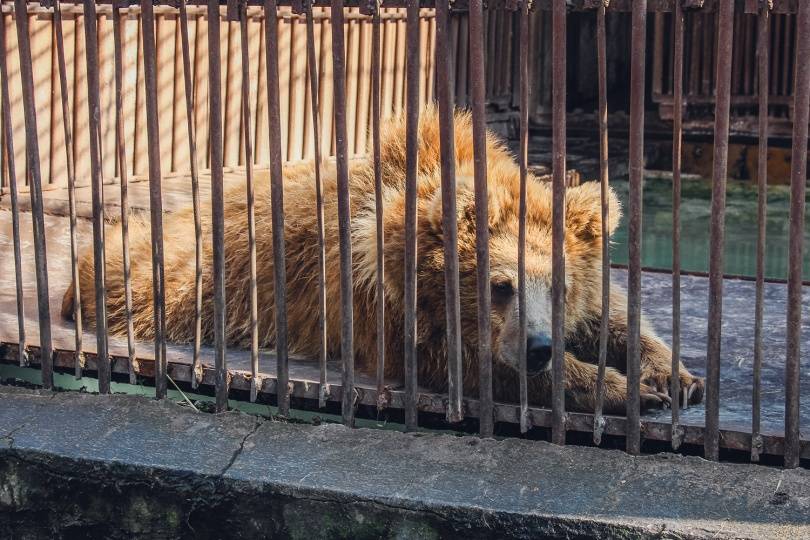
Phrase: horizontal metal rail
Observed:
(508, 413)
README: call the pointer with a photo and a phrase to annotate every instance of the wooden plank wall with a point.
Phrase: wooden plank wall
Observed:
(297, 133)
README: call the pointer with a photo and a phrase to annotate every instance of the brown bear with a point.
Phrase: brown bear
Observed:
(583, 275)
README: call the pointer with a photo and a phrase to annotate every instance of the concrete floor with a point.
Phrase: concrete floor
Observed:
(73, 465)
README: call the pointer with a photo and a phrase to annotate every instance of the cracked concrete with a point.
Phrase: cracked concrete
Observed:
(238, 451)
(125, 466)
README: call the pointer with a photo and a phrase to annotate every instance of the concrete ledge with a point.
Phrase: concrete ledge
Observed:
(122, 467)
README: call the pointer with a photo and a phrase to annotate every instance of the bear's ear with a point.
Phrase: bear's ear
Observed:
(583, 211)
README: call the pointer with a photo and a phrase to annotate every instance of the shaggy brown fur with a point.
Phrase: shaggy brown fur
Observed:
(583, 264)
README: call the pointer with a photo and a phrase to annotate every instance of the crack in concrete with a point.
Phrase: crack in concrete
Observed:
(10, 435)
(241, 447)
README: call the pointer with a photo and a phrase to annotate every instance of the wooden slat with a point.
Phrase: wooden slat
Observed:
(107, 96)
(139, 164)
(81, 134)
(352, 82)
(255, 38)
(15, 91)
(388, 39)
(57, 150)
(326, 99)
(179, 151)
(201, 91)
(298, 89)
(262, 148)
(285, 60)
(399, 72)
(41, 52)
(363, 109)
(297, 142)
(130, 49)
(309, 139)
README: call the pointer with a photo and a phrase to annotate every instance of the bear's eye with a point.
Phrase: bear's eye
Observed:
(502, 290)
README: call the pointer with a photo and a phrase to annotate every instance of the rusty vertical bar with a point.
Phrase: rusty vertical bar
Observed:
(763, 54)
(478, 103)
(312, 67)
(344, 213)
(155, 195)
(8, 147)
(97, 189)
(601, 60)
(122, 171)
(523, 157)
(217, 204)
(277, 204)
(35, 175)
(251, 213)
(798, 180)
(558, 61)
(411, 170)
(67, 118)
(376, 112)
(764, 21)
(444, 96)
(637, 76)
(717, 229)
(196, 366)
(676, 435)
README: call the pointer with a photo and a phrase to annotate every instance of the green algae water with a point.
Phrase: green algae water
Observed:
(740, 234)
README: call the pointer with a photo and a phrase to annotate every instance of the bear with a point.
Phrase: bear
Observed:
(583, 256)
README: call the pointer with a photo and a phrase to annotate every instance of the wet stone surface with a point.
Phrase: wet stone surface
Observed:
(737, 345)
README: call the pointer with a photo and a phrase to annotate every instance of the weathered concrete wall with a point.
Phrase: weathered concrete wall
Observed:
(123, 467)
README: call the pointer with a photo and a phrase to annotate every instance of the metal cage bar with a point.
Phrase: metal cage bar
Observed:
(637, 93)
(444, 96)
(196, 366)
(677, 139)
(344, 215)
(8, 148)
(725, 38)
(411, 172)
(316, 135)
(251, 212)
(558, 62)
(120, 149)
(477, 99)
(71, 181)
(99, 262)
(523, 158)
(155, 197)
(763, 54)
(379, 210)
(798, 187)
(217, 204)
(35, 176)
(601, 61)
(277, 202)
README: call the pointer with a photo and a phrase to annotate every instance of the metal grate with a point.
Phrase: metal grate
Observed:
(210, 317)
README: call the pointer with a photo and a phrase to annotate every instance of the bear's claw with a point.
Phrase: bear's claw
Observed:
(691, 388)
(652, 399)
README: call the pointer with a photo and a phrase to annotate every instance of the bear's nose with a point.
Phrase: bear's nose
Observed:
(538, 352)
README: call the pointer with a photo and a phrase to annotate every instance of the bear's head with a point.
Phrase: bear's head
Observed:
(582, 245)
(583, 260)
